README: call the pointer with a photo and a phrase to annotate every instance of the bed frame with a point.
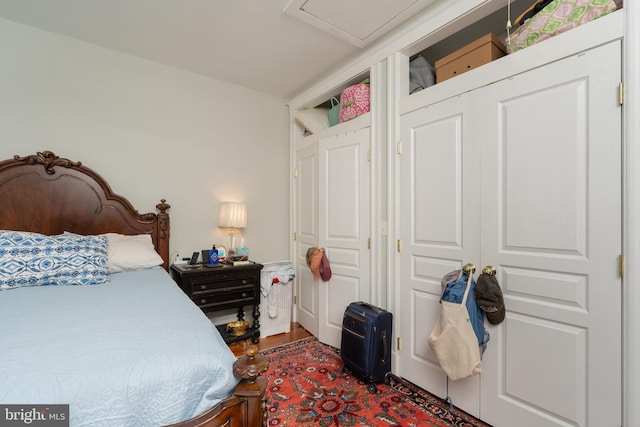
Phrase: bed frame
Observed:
(47, 194)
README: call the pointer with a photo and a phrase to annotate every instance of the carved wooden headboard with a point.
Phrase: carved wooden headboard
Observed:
(48, 194)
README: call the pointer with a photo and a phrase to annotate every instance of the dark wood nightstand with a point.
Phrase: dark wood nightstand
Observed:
(219, 288)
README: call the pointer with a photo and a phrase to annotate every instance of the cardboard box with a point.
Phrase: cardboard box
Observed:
(473, 55)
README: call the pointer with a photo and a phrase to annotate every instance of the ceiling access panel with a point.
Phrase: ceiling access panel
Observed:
(358, 22)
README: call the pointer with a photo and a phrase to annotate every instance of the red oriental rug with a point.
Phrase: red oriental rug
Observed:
(307, 388)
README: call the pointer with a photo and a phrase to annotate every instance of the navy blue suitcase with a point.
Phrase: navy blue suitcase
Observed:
(366, 341)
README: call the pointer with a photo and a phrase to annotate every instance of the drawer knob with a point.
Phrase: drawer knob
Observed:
(244, 282)
(203, 287)
(244, 295)
(203, 301)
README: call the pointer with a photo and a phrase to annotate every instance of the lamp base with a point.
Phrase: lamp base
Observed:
(232, 240)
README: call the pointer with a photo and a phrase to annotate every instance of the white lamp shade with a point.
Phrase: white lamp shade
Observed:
(233, 215)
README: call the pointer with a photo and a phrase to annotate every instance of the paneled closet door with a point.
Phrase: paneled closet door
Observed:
(551, 224)
(344, 227)
(306, 193)
(439, 229)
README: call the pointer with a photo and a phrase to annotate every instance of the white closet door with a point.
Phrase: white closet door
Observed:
(439, 230)
(344, 200)
(306, 220)
(551, 224)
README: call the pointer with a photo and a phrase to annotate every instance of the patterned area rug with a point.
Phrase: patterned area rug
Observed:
(307, 388)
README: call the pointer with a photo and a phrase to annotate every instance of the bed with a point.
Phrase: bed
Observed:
(116, 339)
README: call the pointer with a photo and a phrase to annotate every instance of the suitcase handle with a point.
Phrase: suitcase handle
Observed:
(383, 335)
(370, 307)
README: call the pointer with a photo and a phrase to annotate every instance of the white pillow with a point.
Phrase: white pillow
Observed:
(314, 119)
(131, 252)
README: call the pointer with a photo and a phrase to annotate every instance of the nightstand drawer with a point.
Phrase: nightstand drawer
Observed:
(225, 297)
(223, 275)
(200, 284)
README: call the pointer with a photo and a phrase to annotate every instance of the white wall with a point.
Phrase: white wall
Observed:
(152, 132)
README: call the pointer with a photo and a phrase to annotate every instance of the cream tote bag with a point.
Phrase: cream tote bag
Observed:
(453, 340)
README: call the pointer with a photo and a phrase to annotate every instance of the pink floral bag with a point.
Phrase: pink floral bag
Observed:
(354, 101)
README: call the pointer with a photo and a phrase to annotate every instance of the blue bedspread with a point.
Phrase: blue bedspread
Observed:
(133, 352)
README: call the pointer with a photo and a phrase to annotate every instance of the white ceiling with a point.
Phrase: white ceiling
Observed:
(251, 43)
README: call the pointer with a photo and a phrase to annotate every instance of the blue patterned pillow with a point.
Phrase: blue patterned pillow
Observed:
(32, 259)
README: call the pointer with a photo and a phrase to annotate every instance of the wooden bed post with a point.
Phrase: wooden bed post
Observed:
(252, 388)
(163, 232)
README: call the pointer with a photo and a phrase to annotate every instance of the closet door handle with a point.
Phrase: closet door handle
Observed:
(489, 270)
(469, 268)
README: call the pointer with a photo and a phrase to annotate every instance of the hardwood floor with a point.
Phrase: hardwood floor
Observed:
(297, 332)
